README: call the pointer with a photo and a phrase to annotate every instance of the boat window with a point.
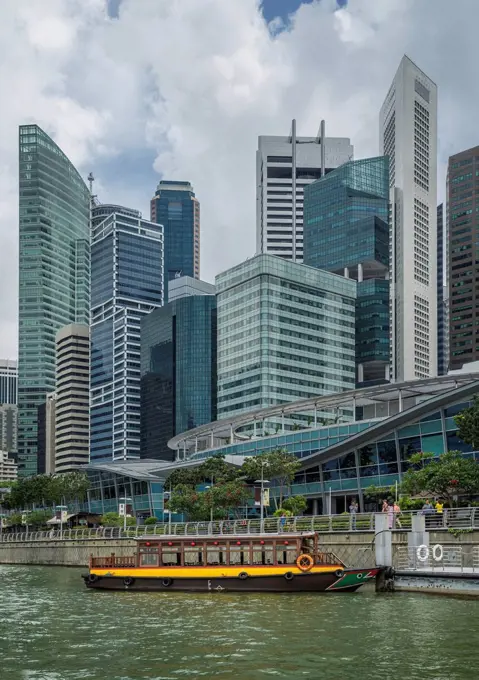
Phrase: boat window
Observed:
(215, 554)
(149, 557)
(286, 552)
(193, 554)
(240, 553)
(307, 545)
(263, 552)
(171, 554)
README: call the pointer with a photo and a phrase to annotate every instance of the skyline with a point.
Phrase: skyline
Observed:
(133, 118)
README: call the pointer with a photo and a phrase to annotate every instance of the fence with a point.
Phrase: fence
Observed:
(438, 558)
(456, 519)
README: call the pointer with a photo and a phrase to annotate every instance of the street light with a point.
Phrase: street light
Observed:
(262, 481)
(61, 511)
(211, 509)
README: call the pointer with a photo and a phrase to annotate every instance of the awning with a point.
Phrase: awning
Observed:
(54, 520)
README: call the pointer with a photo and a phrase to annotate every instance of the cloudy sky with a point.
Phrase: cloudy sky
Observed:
(136, 90)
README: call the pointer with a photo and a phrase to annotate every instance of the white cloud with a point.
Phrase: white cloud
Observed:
(196, 82)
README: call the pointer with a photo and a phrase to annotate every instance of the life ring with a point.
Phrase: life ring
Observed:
(304, 562)
(128, 581)
(92, 578)
(167, 582)
(289, 576)
(243, 575)
(422, 553)
(339, 573)
(438, 552)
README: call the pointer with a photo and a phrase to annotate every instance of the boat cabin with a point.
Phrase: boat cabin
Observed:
(198, 551)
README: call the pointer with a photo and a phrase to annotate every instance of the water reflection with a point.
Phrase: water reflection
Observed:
(52, 628)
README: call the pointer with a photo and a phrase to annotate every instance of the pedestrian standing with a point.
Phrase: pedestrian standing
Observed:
(353, 510)
(397, 512)
(390, 512)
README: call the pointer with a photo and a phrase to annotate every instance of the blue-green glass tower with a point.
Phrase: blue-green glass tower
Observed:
(175, 206)
(346, 231)
(178, 371)
(54, 274)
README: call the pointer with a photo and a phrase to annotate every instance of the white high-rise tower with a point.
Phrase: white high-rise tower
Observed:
(284, 166)
(408, 135)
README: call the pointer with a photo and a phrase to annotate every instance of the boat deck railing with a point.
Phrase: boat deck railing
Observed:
(455, 519)
(120, 562)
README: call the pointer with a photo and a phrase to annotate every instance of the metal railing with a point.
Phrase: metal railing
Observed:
(465, 519)
(441, 558)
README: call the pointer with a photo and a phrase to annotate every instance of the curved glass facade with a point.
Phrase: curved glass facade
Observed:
(54, 274)
(335, 467)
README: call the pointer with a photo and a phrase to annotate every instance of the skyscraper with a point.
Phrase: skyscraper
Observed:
(8, 381)
(284, 166)
(463, 237)
(126, 284)
(285, 332)
(72, 406)
(442, 330)
(346, 231)
(175, 206)
(408, 135)
(178, 370)
(53, 273)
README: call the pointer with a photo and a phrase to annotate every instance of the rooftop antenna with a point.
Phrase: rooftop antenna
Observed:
(93, 197)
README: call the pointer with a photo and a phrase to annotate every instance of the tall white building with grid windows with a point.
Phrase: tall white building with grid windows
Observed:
(284, 166)
(408, 135)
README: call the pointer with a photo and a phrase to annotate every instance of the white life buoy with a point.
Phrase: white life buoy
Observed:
(437, 555)
(422, 553)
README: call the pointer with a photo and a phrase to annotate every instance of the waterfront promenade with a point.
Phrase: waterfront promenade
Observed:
(351, 538)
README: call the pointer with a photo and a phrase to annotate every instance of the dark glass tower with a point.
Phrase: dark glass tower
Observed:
(178, 371)
(442, 359)
(346, 231)
(54, 274)
(175, 207)
(126, 284)
(463, 257)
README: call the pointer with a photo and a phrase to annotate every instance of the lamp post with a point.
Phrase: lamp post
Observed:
(168, 510)
(211, 509)
(262, 481)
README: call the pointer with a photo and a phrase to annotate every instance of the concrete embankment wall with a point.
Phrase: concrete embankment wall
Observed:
(65, 553)
(354, 548)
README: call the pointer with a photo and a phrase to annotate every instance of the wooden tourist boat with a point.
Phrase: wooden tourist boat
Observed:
(246, 563)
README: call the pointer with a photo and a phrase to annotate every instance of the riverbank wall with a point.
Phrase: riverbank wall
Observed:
(355, 549)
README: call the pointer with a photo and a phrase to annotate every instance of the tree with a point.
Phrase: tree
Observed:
(468, 424)
(113, 519)
(295, 505)
(447, 476)
(279, 465)
(42, 490)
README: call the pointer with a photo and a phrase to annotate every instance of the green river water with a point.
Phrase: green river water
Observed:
(53, 628)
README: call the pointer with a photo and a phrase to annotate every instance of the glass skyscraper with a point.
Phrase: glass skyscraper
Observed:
(175, 206)
(285, 332)
(346, 231)
(126, 284)
(178, 371)
(8, 381)
(54, 272)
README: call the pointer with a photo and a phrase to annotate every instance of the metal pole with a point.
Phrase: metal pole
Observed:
(261, 499)
(169, 515)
